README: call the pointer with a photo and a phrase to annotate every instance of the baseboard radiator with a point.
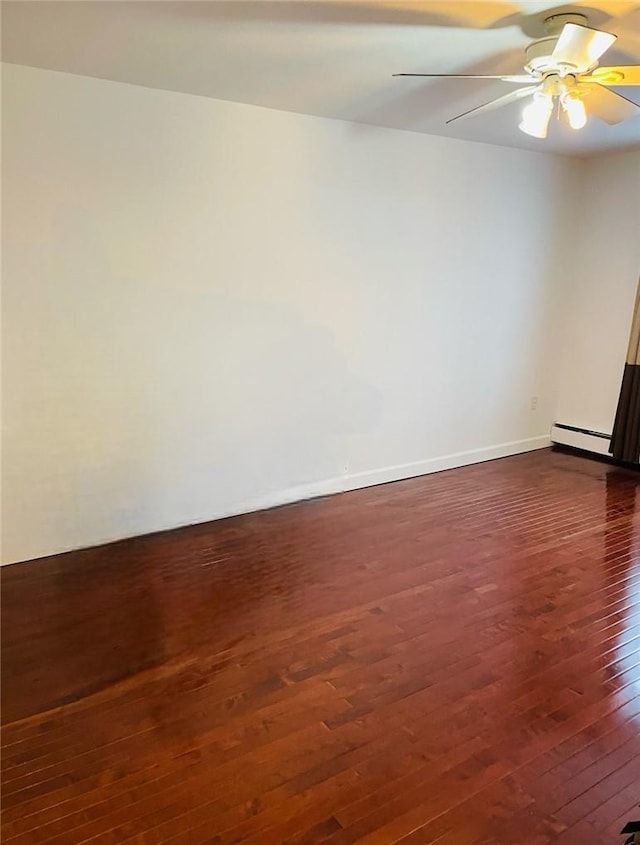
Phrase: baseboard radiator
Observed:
(580, 438)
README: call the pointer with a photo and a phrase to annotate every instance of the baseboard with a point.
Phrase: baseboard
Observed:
(370, 478)
(326, 487)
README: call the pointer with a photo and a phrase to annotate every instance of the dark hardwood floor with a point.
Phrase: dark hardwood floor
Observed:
(451, 659)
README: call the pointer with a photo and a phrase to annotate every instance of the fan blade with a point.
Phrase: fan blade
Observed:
(581, 46)
(523, 77)
(625, 75)
(511, 97)
(609, 106)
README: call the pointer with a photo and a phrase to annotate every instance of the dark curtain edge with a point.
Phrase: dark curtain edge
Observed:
(625, 439)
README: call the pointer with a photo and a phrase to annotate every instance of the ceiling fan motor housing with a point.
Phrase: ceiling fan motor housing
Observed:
(539, 60)
(538, 55)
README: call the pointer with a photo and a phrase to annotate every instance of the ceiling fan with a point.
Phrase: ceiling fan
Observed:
(562, 68)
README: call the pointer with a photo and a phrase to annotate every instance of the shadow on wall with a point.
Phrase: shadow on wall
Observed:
(249, 400)
(212, 407)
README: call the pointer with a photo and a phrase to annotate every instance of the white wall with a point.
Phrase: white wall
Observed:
(600, 291)
(211, 307)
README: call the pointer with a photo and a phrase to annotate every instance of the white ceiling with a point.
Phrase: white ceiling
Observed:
(332, 59)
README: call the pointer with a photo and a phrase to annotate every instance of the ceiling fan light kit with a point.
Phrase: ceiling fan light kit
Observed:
(563, 68)
(574, 108)
(536, 116)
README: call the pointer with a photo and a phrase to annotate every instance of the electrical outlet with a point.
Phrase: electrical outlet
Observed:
(534, 403)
